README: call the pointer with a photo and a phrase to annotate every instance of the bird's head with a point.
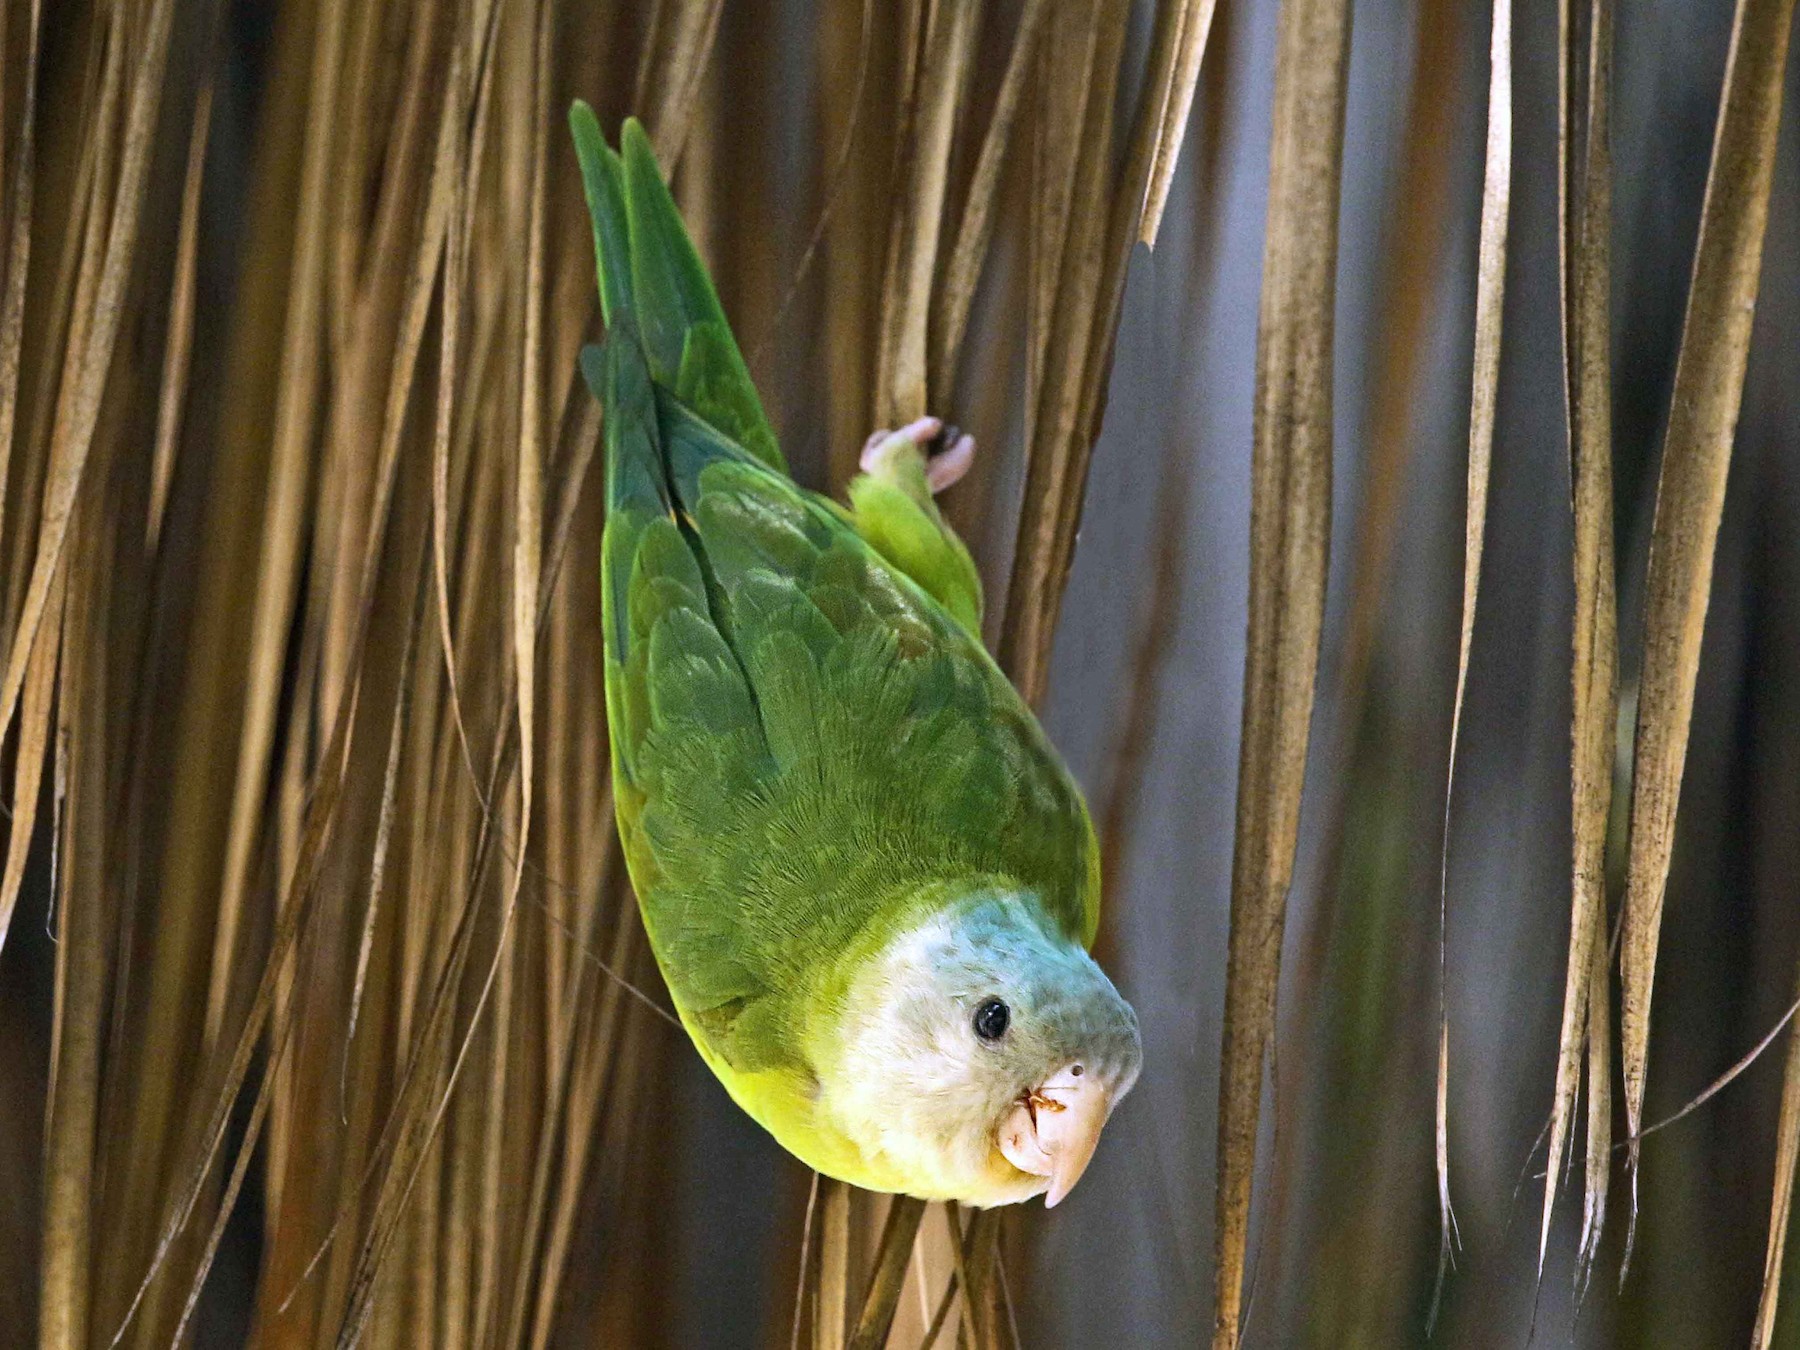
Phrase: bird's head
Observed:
(979, 1054)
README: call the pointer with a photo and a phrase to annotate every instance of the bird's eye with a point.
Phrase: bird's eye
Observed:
(991, 1019)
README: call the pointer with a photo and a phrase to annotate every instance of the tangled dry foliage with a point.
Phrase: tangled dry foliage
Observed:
(300, 629)
(298, 549)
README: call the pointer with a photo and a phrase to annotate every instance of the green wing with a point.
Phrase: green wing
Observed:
(892, 508)
(807, 747)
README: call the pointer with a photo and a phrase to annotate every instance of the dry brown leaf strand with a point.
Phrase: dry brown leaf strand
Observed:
(1177, 39)
(422, 1096)
(178, 348)
(889, 1275)
(1066, 71)
(1787, 1150)
(303, 887)
(1597, 1173)
(528, 502)
(674, 58)
(854, 90)
(450, 324)
(1071, 245)
(1290, 527)
(1178, 101)
(59, 336)
(78, 407)
(1177, 49)
(831, 1311)
(1587, 222)
(18, 255)
(398, 309)
(1690, 495)
(28, 767)
(1490, 293)
(975, 226)
(900, 389)
(83, 967)
(83, 963)
(284, 532)
(528, 543)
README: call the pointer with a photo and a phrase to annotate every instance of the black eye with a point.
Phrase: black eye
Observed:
(991, 1019)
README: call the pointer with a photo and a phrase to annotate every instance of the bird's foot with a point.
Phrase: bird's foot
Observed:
(944, 468)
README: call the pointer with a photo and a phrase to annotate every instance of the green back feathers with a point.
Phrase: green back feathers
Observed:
(820, 748)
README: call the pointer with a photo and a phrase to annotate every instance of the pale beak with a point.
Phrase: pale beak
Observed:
(1052, 1132)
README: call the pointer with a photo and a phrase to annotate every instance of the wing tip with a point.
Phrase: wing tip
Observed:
(602, 180)
(633, 139)
(584, 124)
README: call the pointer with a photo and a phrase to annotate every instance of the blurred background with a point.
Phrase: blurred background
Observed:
(318, 994)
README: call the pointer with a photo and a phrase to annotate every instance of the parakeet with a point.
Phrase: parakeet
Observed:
(868, 880)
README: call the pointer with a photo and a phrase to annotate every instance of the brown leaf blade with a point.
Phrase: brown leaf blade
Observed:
(674, 57)
(78, 408)
(1490, 297)
(72, 1117)
(1073, 262)
(1781, 1203)
(1597, 1174)
(891, 1257)
(295, 422)
(1178, 101)
(28, 769)
(179, 350)
(1690, 496)
(831, 1311)
(974, 231)
(1289, 536)
(1587, 224)
(900, 388)
(18, 253)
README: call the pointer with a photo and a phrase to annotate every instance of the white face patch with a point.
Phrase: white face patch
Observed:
(911, 1081)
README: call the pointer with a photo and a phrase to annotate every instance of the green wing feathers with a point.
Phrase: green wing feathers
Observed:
(803, 736)
(892, 508)
(603, 183)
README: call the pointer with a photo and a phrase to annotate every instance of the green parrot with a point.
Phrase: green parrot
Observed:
(868, 880)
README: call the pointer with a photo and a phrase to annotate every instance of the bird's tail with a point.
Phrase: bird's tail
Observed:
(654, 287)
